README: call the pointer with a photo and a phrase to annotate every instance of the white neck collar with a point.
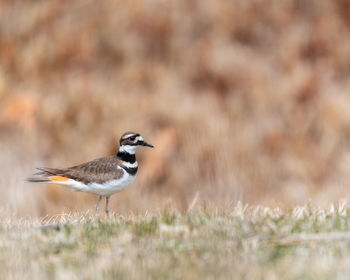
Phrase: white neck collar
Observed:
(128, 149)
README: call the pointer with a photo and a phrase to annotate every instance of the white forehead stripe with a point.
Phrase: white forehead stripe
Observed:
(139, 138)
(128, 135)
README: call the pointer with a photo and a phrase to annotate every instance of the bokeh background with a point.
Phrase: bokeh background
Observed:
(244, 100)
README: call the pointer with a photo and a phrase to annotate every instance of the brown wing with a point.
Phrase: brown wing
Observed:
(99, 171)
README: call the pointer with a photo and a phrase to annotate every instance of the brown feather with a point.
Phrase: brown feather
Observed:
(99, 170)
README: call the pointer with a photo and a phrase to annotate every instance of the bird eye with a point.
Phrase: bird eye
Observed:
(132, 138)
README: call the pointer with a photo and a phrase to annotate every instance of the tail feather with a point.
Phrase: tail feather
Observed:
(48, 171)
(43, 175)
(38, 180)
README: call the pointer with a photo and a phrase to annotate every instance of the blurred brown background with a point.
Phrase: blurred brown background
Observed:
(244, 100)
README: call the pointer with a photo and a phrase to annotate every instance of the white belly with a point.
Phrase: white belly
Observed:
(105, 189)
(112, 186)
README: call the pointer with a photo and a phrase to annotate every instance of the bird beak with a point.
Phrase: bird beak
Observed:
(144, 143)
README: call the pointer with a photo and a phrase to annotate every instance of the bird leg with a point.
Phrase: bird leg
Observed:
(97, 204)
(107, 209)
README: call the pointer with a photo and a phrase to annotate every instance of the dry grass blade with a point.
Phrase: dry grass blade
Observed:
(310, 237)
(193, 202)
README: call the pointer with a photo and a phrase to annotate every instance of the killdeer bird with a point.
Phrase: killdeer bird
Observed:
(103, 176)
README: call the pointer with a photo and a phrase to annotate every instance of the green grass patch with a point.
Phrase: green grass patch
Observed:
(248, 243)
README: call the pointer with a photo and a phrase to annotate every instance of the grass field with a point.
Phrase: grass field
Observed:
(247, 243)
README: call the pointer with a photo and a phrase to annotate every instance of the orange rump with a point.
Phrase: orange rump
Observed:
(58, 178)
